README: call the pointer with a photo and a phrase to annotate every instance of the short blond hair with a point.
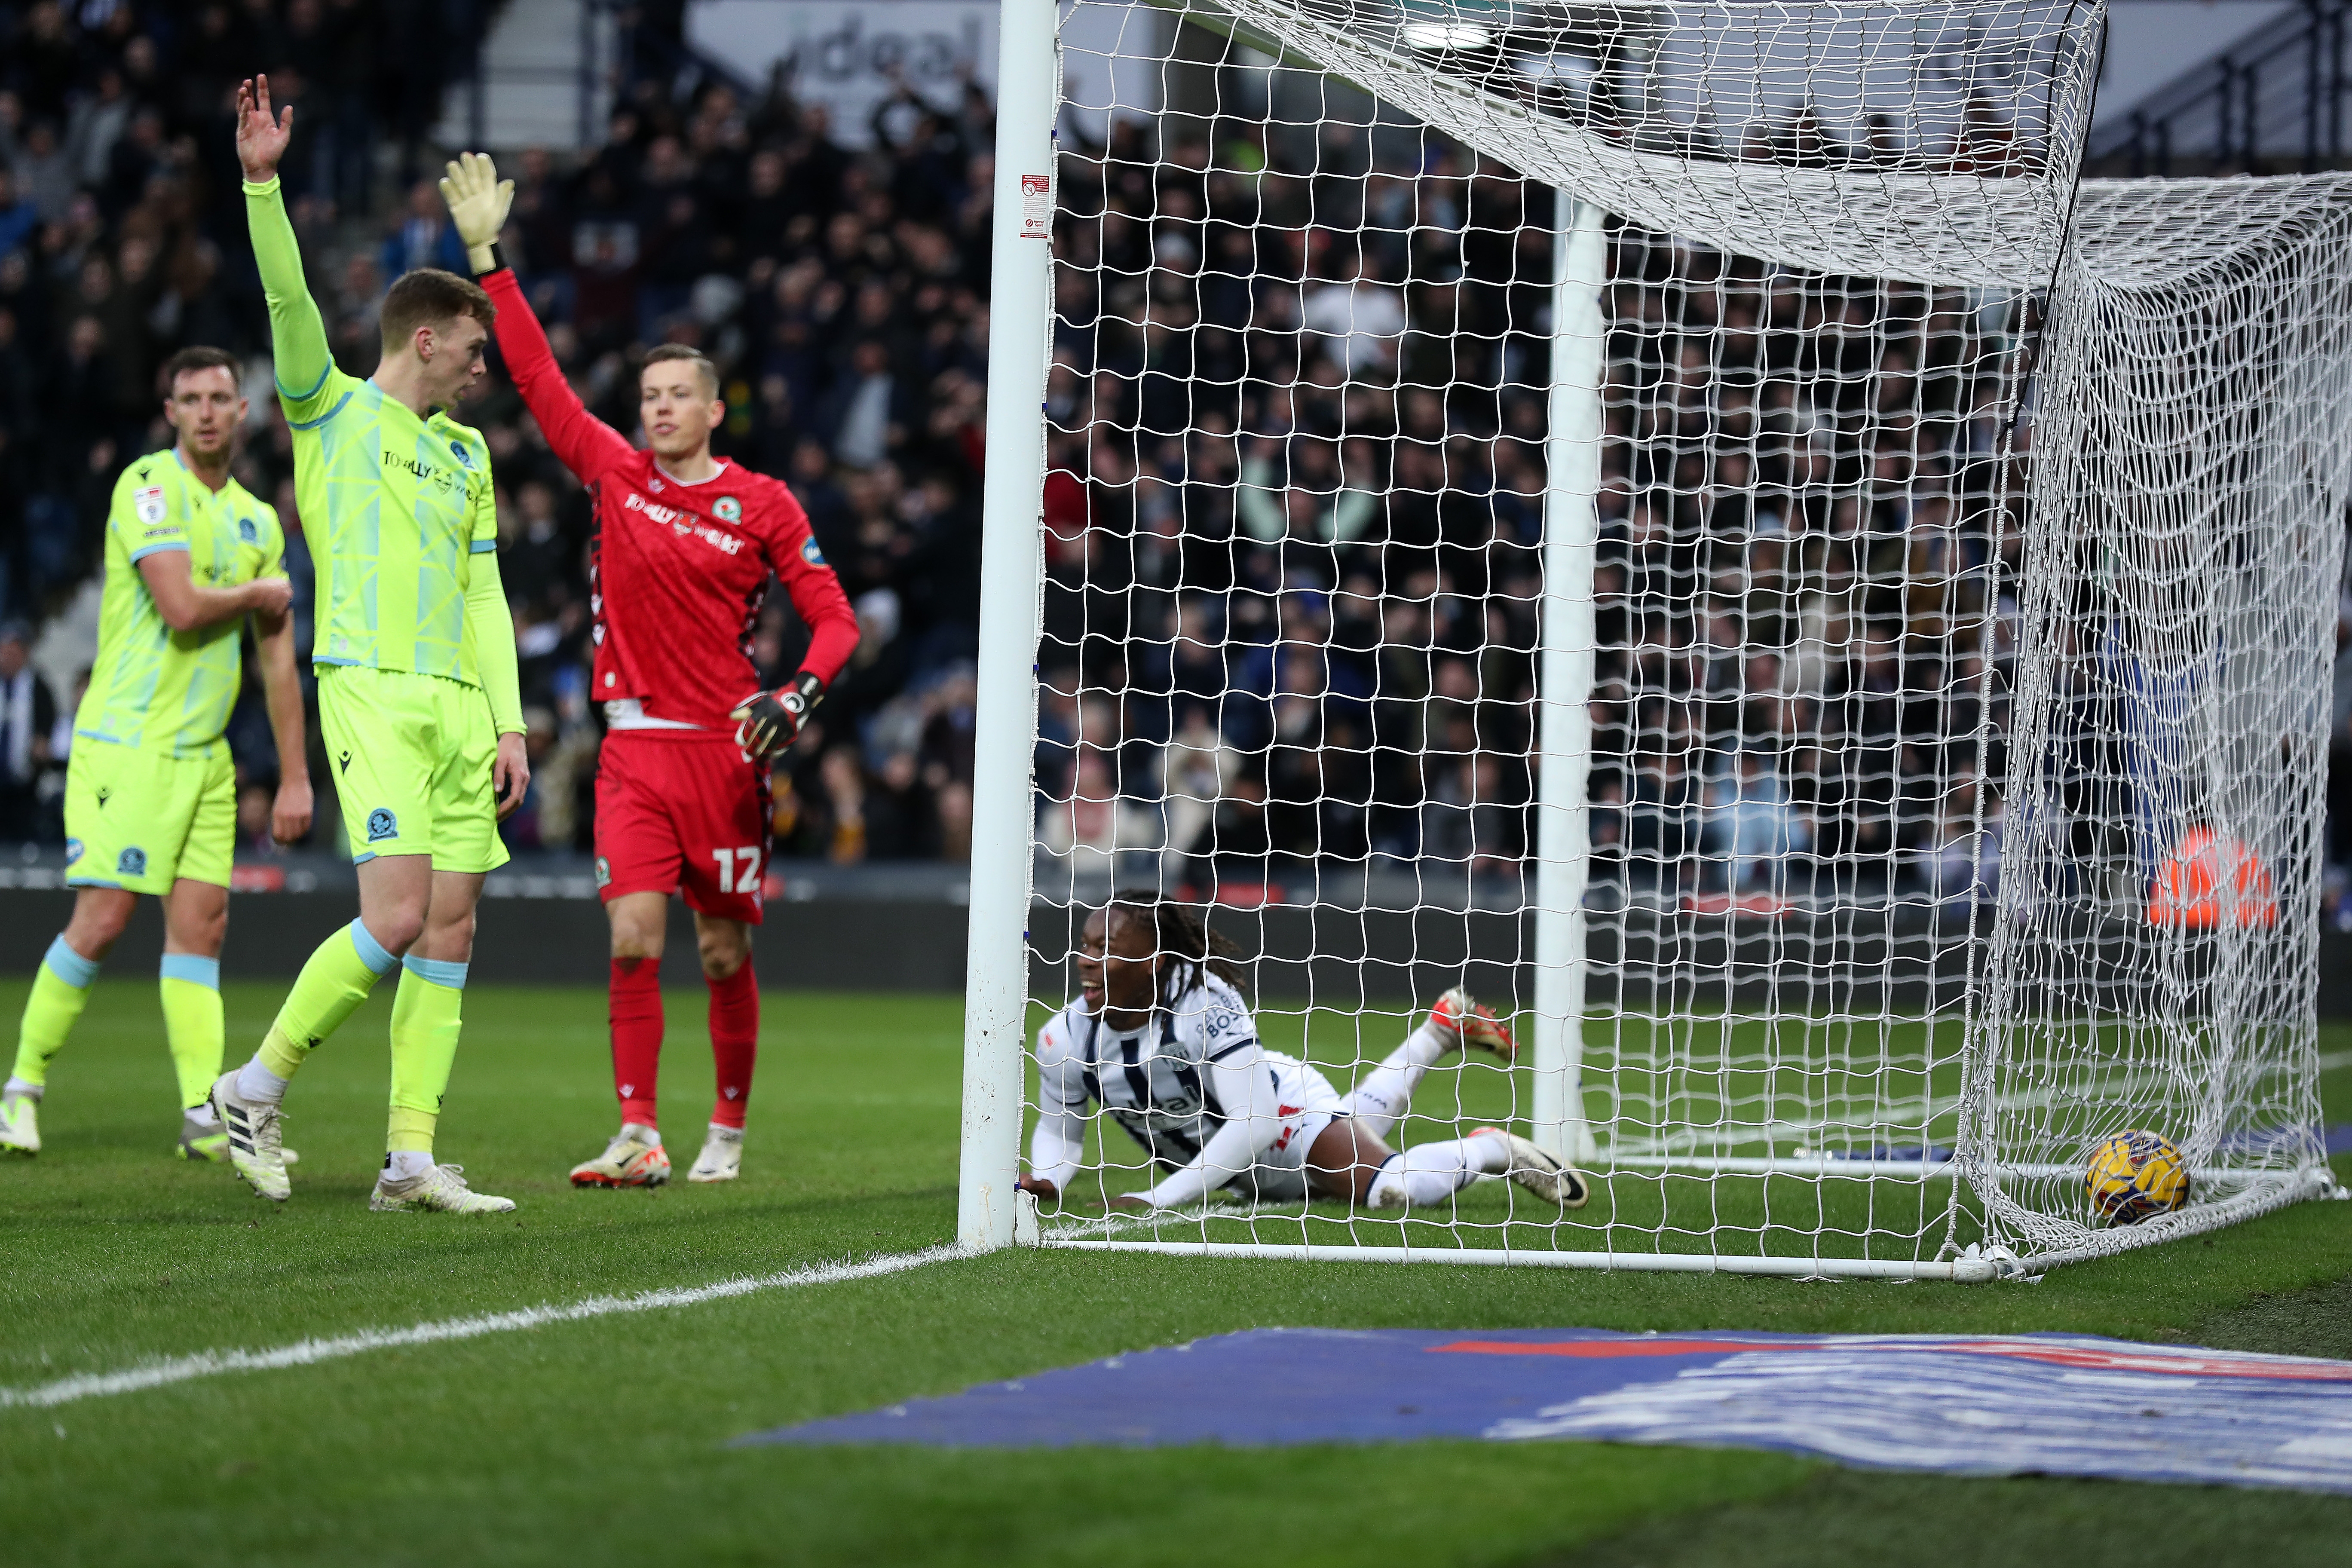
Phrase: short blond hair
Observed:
(429, 297)
(703, 368)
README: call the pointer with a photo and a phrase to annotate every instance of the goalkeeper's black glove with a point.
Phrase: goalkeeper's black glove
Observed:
(768, 722)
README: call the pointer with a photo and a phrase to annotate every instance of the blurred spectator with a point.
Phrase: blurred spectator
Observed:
(1752, 830)
(29, 717)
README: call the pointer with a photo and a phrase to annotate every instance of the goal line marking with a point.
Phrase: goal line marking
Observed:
(309, 1352)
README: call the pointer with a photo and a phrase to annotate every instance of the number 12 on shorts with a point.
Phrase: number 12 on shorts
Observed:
(739, 870)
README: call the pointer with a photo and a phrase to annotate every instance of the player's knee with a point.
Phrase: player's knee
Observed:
(453, 935)
(97, 924)
(634, 936)
(631, 942)
(204, 933)
(396, 929)
(724, 950)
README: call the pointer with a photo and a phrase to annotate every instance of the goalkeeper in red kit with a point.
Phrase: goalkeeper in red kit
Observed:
(683, 548)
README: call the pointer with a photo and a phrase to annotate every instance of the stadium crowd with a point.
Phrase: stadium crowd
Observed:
(1295, 526)
(1296, 453)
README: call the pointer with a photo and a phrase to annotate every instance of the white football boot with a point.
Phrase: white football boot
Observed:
(721, 1159)
(1551, 1180)
(630, 1159)
(20, 1123)
(257, 1138)
(1474, 1027)
(441, 1190)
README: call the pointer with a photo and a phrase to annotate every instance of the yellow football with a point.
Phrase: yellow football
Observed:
(2133, 1175)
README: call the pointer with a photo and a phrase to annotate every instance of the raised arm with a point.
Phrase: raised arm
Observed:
(297, 335)
(581, 442)
(477, 203)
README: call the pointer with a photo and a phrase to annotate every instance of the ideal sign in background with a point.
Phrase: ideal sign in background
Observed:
(848, 57)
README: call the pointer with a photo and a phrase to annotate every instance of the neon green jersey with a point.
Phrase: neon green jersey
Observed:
(394, 507)
(151, 687)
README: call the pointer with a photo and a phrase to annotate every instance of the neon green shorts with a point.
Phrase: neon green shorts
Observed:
(140, 820)
(411, 756)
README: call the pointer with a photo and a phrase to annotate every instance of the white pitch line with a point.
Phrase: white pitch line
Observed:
(309, 1352)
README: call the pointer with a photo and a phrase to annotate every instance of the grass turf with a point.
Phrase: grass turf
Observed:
(606, 1435)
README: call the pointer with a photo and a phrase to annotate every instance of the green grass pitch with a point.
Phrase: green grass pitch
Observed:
(603, 1439)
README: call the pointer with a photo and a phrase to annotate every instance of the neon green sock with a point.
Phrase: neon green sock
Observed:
(424, 1023)
(60, 990)
(191, 1023)
(337, 978)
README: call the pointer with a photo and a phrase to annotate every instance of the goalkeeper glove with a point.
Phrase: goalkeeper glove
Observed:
(479, 200)
(768, 722)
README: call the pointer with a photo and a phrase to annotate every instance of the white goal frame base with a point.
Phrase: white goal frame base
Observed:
(1977, 1264)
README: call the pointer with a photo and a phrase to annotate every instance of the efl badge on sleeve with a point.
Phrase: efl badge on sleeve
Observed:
(147, 500)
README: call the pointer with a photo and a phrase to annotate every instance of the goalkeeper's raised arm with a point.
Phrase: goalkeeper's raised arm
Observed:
(479, 200)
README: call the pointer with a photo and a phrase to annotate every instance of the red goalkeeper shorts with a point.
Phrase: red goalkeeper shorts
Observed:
(682, 812)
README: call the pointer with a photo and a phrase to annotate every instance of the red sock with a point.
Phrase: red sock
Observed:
(734, 1042)
(636, 1015)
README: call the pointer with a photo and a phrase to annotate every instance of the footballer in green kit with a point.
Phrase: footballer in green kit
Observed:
(151, 791)
(417, 691)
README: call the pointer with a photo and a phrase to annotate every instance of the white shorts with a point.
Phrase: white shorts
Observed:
(1308, 1105)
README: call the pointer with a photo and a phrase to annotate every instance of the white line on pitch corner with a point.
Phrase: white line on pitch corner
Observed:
(308, 1353)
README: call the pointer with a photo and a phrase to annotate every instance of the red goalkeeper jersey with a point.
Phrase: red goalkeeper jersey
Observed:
(676, 572)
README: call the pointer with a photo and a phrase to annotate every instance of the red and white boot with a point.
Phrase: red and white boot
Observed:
(634, 1158)
(1472, 1025)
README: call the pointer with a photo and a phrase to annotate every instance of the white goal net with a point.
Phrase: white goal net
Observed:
(1691, 522)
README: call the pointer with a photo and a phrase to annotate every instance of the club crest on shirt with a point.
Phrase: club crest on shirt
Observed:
(810, 552)
(147, 501)
(457, 450)
(247, 531)
(382, 824)
(727, 509)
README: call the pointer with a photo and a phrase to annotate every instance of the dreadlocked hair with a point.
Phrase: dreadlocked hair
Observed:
(1179, 932)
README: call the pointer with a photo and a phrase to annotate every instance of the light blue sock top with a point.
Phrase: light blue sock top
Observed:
(71, 966)
(205, 971)
(439, 971)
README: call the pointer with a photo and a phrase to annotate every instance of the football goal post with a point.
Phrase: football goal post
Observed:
(1693, 523)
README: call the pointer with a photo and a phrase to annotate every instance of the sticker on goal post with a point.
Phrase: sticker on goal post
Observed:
(1036, 206)
(2064, 1405)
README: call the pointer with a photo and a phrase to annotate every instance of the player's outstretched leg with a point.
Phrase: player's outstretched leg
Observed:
(1432, 1173)
(426, 1017)
(734, 1048)
(336, 978)
(1455, 1022)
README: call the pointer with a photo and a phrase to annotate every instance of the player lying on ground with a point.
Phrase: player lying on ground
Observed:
(417, 691)
(1161, 1036)
(684, 547)
(151, 791)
